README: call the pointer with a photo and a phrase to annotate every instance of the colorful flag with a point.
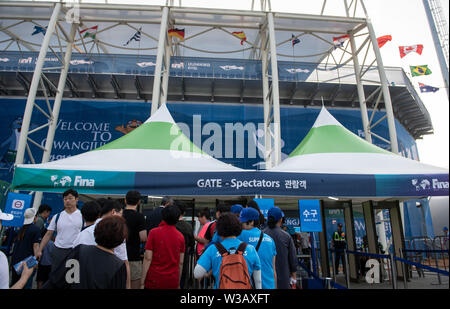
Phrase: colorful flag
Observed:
(339, 41)
(39, 29)
(420, 70)
(136, 37)
(426, 88)
(178, 33)
(383, 40)
(294, 40)
(404, 50)
(241, 35)
(89, 33)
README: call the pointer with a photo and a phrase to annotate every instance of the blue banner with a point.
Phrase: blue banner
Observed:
(310, 217)
(16, 204)
(264, 205)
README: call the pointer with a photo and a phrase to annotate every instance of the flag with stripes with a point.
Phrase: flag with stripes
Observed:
(404, 50)
(136, 37)
(178, 33)
(89, 32)
(241, 35)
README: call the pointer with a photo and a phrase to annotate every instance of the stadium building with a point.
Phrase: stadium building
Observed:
(245, 86)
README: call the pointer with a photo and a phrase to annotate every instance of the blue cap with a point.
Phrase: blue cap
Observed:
(276, 213)
(236, 209)
(249, 214)
(445, 229)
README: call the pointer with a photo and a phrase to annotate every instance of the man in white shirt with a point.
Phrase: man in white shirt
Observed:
(87, 236)
(67, 225)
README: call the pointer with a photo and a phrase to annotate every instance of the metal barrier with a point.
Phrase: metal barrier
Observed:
(392, 271)
(327, 282)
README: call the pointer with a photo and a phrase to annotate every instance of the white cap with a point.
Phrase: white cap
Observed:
(5, 217)
(29, 215)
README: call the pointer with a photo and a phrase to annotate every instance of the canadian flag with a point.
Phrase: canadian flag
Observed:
(404, 50)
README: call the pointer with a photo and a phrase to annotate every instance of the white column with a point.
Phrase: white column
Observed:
(34, 85)
(275, 90)
(266, 100)
(384, 83)
(56, 107)
(360, 89)
(156, 95)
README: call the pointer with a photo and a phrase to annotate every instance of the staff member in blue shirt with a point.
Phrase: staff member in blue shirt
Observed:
(266, 250)
(228, 228)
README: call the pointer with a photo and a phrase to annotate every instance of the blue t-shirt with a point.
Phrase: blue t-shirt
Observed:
(211, 258)
(267, 251)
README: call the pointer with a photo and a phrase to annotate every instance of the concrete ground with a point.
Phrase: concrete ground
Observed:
(429, 281)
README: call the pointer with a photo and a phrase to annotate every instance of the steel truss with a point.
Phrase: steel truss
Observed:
(263, 48)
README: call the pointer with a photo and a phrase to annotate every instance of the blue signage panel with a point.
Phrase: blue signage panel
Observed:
(264, 205)
(309, 214)
(16, 204)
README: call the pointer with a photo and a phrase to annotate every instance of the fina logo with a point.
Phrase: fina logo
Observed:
(66, 180)
(425, 184)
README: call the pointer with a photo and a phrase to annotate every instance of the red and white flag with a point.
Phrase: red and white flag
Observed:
(339, 41)
(404, 50)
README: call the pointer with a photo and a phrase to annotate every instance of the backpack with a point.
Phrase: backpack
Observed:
(233, 269)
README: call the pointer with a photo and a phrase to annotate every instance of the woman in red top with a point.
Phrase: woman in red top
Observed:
(164, 253)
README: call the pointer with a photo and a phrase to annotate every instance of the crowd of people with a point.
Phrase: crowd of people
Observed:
(112, 245)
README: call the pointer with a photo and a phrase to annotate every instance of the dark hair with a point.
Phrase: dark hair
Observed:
(271, 223)
(44, 207)
(170, 214)
(111, 232)
(181, 208)
(101, 201)
(254, 205)
(228, 225)
(72, 192)
(223, 208)
(132, 198)
(204, 212)
(91, 211)
(166, 201)
(109, 206)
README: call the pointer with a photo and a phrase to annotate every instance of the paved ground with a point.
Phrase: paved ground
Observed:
(430, 281)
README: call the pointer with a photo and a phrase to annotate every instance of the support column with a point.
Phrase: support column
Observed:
(398, 238)
(360, 89)
(275, 90)
(156, 94)
(266, 99)
(34, 85)
(324, 257)
(384, 84)
(369, 220)
(350, 238)
(56, 107)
